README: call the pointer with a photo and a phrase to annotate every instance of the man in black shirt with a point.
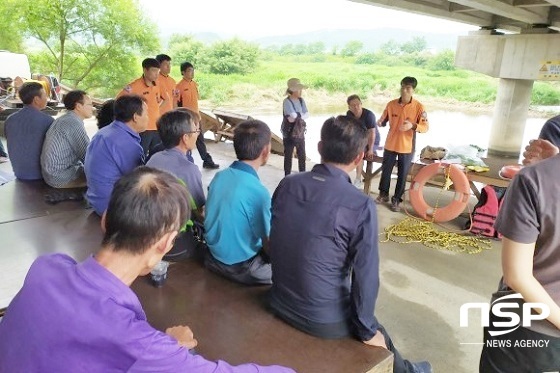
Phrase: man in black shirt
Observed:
(324, 247)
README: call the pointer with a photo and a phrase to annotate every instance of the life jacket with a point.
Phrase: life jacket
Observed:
(486, 211)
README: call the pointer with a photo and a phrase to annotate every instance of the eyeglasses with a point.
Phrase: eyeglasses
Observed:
(197, 131)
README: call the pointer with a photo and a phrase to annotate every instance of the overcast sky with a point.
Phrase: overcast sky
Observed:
(251, 19)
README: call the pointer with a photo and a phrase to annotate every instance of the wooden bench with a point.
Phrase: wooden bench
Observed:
(490, 177)
(232, 323)
(22, 200)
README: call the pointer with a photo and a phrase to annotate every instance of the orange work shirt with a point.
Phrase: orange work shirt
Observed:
(396, 113)
(152, 95)
(188, 95)
(167, 86)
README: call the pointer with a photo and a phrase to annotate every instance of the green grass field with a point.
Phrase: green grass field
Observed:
(335, 74)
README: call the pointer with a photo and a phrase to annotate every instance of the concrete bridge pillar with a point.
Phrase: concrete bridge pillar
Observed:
(517, 60)
(510, 114)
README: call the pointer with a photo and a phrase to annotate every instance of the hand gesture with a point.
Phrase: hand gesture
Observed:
(537, 150)
(406, 126)
(183, 335)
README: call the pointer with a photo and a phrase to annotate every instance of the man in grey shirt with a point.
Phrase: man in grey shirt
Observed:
(66, 141)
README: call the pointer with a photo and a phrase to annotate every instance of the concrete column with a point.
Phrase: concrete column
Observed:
(510, 115)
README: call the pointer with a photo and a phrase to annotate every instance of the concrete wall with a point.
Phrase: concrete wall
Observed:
(507, 56)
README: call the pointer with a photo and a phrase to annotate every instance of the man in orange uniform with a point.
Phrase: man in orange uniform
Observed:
(147, 88)
(166, 84)
(406, 116)
(188, 98)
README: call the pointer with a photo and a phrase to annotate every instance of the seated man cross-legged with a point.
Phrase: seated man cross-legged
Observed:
(237, 221)
(76, 317)
(324, 247)
(178, 132)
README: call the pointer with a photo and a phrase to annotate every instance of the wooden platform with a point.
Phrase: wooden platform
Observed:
(230, 321)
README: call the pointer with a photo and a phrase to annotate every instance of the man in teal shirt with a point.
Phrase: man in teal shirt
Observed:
(237, 221)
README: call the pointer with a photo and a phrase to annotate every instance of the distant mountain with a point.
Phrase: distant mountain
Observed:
(372, 39)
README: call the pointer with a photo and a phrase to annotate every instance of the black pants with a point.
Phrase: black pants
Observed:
(502, 354)
(201, 147)
(150, 141)
(289, 145)
(403, 164)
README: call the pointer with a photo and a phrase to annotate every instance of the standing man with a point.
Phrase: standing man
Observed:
(406, 116)
(25, 132)
(115, 150)
(66, 141)
(147, 88)
(166, 84)
(188, 98)
(367, 118)
(237, 219)
(75, 317)
(324, 247)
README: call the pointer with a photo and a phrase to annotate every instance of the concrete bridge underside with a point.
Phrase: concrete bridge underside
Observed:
(517, 58)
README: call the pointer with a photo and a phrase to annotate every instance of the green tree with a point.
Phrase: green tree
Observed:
(234, 56)
(351, 48)
(417, 44)
(316, 48)
(184, 48)
(85, 38)
(443, 61)
(390, 48)
(11, 37)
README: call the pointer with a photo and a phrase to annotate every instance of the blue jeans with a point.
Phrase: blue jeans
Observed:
(404, 161)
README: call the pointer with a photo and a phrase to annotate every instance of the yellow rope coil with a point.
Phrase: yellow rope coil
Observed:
(414, 230)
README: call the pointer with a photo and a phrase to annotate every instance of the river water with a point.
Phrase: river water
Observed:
(447, 129)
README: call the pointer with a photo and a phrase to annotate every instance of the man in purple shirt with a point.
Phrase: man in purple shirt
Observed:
(71, 317)
(324, 247)
(115, 150)
(25, 132)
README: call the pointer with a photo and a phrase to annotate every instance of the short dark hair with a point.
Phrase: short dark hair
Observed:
(352, 98)
(29, 90)
(342, 139)
(250, 138)
(144, 205)
(72, 98)
(409, 80)
(162, 57)
(149, 63)
(172, 126)
(106, 114)
(126, 106)
(185, 66)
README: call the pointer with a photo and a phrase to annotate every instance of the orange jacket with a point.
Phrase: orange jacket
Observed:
(167, 86)
(188, 94)
(152, 95)
(396, 113)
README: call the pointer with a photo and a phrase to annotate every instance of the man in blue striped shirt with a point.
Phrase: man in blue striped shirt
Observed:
(66, 141)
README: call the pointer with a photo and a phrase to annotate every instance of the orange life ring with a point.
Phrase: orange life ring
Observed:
(444, 213)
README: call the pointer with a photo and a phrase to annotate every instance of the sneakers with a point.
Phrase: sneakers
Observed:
(395, 206)
(358, 183)
(210, 165)
(382, 198)
(422, 367)
(3, 159)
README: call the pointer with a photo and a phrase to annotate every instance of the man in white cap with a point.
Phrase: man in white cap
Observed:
(293, 125)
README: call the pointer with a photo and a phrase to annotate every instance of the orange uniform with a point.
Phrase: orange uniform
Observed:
(188, 94)
(167, 86)
(152, 95)
(396, 113)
